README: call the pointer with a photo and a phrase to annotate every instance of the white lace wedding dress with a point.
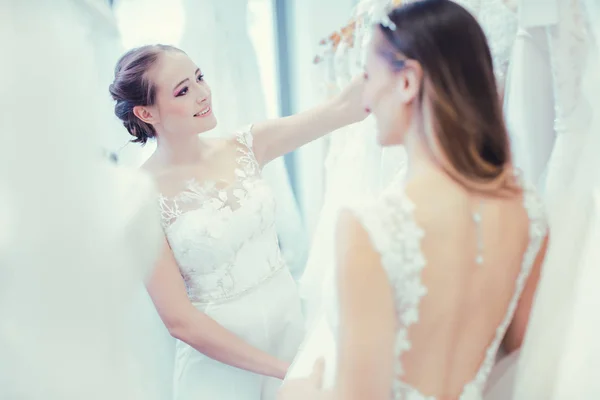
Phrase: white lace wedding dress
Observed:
(224, 240)
(396, 237)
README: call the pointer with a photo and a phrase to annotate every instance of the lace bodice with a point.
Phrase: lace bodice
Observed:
(396, 236)
(223, 236)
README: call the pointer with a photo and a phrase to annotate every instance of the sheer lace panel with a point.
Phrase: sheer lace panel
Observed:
(215, 195)
(222, 234)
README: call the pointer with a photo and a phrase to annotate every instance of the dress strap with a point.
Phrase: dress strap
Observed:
(244, 137)
(246, 159)
(395, 235)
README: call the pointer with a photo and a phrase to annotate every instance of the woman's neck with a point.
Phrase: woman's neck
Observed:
(182, 150)
(419, 157)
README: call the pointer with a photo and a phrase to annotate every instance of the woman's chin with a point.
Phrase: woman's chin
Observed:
(212, 121)
(206, 124)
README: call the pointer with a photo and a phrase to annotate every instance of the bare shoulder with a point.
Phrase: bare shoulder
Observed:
(350, 232)
(152, 166)
(359, 269)
(168, 179)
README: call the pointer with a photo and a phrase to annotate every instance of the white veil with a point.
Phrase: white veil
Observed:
(356, 166)
(81, 233)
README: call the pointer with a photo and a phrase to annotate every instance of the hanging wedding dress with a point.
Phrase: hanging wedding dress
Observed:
(81, 232)
(529, 101)
(356, 166)
(560, 357)
(216, 36)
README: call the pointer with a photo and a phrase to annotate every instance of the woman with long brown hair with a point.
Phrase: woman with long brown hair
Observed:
(439, 273)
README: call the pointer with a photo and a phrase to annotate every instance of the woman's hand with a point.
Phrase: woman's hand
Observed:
(350, 102)
(307, 388)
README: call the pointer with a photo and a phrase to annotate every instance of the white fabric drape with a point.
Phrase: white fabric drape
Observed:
(560, 356)
(82, 232)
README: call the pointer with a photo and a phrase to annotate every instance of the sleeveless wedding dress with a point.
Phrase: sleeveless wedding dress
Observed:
(396, 237)
(225, 243)
(529, 104)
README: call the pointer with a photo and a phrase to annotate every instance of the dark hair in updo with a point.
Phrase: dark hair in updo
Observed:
(131, 87)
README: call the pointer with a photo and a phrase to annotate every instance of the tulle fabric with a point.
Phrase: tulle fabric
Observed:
(82, 235)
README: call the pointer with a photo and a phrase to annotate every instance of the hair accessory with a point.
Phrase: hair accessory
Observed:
(382, 11)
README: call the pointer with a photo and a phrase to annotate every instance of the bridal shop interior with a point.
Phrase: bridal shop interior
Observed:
(115, 285)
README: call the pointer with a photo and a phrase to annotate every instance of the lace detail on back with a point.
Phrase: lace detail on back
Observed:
(397, 238)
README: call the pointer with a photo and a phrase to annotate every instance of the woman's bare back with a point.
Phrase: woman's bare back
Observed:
(457, 263)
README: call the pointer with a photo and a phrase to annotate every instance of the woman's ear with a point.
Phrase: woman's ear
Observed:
(408, 82)
(145, 114)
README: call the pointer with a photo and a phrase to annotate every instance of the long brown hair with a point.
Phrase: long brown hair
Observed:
(463, 120)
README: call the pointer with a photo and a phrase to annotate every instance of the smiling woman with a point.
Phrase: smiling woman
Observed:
(138, 100)
(221, 267)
